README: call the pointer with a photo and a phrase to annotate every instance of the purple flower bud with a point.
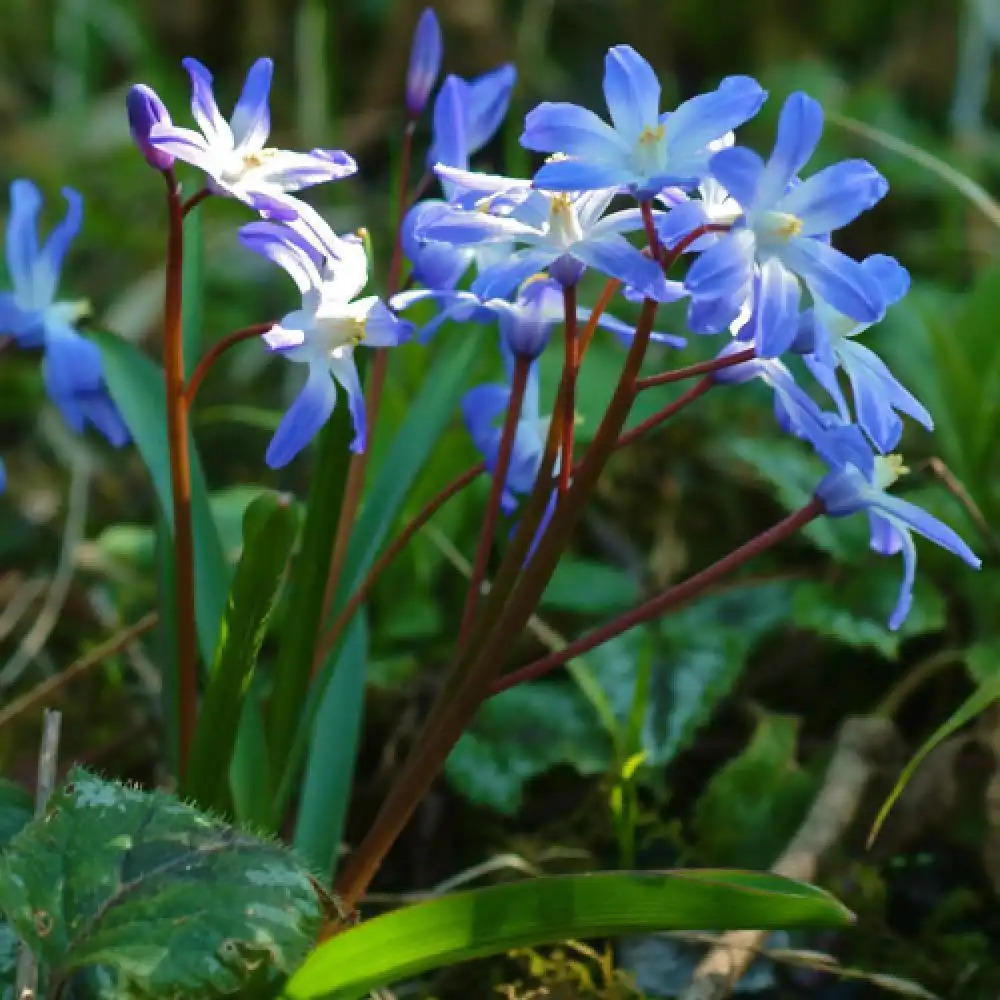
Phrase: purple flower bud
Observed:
(145, 110)
(425, 62)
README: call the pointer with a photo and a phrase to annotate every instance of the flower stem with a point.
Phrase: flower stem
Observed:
(604, 300)
(649, 225)
(701, 368)
(512, 599)
(657, 606)
(354, 486)
(180, 474)
(333, 633)
(195, 200)
(571, 366)
(216, 351)
(519, 383)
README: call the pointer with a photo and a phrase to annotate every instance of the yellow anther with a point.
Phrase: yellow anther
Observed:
(540, 276)
(889, 468)
(651, 134)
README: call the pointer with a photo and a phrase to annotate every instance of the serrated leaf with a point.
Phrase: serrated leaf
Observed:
(466, 925)
(520, 734)
(855, 611)
(137, 387)
(756, 801)
(164, 899)
(270, 525)
(16, 809)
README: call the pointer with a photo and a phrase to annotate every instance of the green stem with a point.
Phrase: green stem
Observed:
(180, 474)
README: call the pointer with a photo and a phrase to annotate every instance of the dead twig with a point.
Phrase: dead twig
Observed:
(863, 746)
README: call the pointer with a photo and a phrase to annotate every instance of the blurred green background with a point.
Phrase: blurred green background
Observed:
(701, 740)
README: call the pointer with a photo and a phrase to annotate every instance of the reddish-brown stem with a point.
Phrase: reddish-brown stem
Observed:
(701, 368)
(604, 300)
(333, 633)
(216, 351)
(354, 486)
(649, 225)
(571, 366)
(671, 257)
(180, 475)
(508, 433)
(195, 200)
(656, 606)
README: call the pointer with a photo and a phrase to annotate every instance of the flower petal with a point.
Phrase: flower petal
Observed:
(50, 259)
(632, 92)
(205, 111)
(556, 127)
(426, 51)
(776, 310)
(499, 280)
(450, 145)
(720, 281)
(303, 420)
(186, 145)
(835, 196)
(799, 128)
(891, 276)
(251, 121)
(582, 175)
(383, 328)
(613, 255)
(835, 278)
(346, 373)
(22, 234)
(739, 171)
(285, 248)
(486, 100)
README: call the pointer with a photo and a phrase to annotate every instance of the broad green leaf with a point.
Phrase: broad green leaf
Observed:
(333, 751)
(137, 387)
(520, 734)
(583, 586)
(10, 949)
(164, 900)
(982, 660)
(540, 911)
(270, 525)
(251, 777)
(756, 801)
(855, 611)
(977, 703)
(16, 808)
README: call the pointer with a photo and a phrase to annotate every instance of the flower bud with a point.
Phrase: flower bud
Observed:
(145, 110)
(425, 62)
(526, 326)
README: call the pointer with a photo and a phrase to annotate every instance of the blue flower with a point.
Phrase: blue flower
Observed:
(71, 365)
(783, 236)
(145, 109)
(425, 62)
(330, 272)
(643, 149)
(852, 488)
(826, 340)
(233, 155)
(526, 323)
(561, 232)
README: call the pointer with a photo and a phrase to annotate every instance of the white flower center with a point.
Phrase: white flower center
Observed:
(775, 229)
(888, 468)
(340, 331)
(564, 224)
(238, 165)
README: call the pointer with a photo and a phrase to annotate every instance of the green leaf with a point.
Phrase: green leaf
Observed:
(855, 611)
(270, 525)
(756, 801)
(16, 809)
(982, 660)
(10, 949)
(163, 899)
(583, 586)
(491, 921)
(137, 387)
(520, 734)
(333, 751)
(977, 703)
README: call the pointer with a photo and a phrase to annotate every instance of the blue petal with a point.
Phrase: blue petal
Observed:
(486, 100)
(776, 311)
(799, 128)
(835, 196)
(499, 280)
(22, 233)
(71, 370)
(835, 278)
(203, 107)
(632, 92)
(905, 600)
(450, 145)
(185, 144)
(676, 224)
(50, 260)
(615, 256)
(383, 328)
(719, 282)
(739, 171)
(309, 411)
(826, 375)
(346, 373)
(251, 121)
(464, 228)
(625, 333)
(482, 406)
(568, 128)
(917, 519)
(707, 117)
(891, 276)
(27, 327)
(285, 248)
(582, 175)
(425, 61)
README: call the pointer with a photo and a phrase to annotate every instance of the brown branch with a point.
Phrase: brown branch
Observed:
(863, 747)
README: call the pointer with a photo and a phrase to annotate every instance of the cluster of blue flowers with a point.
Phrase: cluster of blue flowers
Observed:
(500, 250)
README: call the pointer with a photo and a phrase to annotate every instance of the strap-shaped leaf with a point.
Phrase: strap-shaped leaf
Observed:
(153, 896)
(525, 914)
(270, 525)
(137, 387)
